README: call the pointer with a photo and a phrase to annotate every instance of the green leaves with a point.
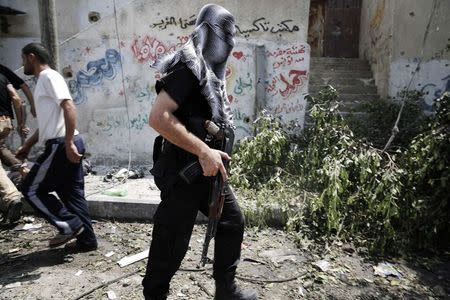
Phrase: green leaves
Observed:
(258, 157)
(389, 201)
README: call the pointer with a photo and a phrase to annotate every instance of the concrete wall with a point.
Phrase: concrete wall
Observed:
(376, 39)
(111, 82)
(72, 17)
(409, 49)
(392, 35)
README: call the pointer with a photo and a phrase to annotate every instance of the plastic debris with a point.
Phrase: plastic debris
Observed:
(128, 260)
(88, 168)
(28, 219)
(111, 295)
(180, 294)
(123, 174)
(12, 285)
(323, 265)
(301, 291)
(68, 258)
(385, 269)
(138, 173)
(79, 273)
(116, 192)
(28, 226)
(109, 254)
(395, 282)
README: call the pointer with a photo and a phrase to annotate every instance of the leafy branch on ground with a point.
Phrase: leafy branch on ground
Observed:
(331, 182)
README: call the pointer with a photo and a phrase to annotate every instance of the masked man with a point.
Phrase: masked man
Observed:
(193, 88)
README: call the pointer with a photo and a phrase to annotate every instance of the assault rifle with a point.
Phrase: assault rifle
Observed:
(220, 137)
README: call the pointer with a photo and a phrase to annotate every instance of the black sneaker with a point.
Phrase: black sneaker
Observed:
(61, 238)
(229, 290)
(14, 211)
(77, 247)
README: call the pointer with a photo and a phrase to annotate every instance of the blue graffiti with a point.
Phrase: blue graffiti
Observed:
(431, 92)
(96, 71)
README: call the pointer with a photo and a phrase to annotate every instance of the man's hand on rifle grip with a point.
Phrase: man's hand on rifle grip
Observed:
(211, 162)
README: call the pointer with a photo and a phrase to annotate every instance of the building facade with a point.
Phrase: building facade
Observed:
(107, 47)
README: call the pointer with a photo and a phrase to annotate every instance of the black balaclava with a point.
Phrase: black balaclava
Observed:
(206, 54)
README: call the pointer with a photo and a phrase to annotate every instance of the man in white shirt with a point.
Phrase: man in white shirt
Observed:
(59, 168)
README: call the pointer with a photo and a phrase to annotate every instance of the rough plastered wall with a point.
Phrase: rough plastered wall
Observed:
(112, 83)
(376, 40)
(409, 49)
(72, 17)
(392, 39)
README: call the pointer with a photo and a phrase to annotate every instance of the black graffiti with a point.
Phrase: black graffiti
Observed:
(172, 21)
(263, 25)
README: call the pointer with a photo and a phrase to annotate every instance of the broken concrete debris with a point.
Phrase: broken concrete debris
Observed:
(385, 269)
(128, 260)
(123, 174)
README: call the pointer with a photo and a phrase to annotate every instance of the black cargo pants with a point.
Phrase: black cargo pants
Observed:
(173, 224)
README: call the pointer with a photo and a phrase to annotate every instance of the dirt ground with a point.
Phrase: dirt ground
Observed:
(271, 263)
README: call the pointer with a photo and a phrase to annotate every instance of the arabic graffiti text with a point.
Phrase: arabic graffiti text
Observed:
(121, 122)
(287, 56)
(96, 71)
(287, 108)
(150, 49)
(243, 85)
(287, 84)
(173, 21)
(263, 25)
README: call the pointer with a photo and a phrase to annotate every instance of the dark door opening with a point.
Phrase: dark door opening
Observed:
(334, 28)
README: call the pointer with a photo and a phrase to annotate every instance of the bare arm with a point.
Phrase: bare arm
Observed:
(24, 150)
(70, 119)
(17, 104)
(29, 94)
(164, 121)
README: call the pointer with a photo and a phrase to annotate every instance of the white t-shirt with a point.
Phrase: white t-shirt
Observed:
(50, 91)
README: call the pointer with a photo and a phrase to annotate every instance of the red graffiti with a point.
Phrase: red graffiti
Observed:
(230, 99)
(297, 77)
(182, 39)
(150, 48)
(228, 72)
(238, 55)
(272, 86)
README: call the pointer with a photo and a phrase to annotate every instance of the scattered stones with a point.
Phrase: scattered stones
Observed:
(385, 269)
(12, 285)
(271, 263)
(323, 265)
(111, 295)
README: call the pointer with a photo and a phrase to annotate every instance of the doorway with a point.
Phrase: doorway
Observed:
(334, 28)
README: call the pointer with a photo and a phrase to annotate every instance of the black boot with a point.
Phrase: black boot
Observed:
(227, 289)
(161, 297)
